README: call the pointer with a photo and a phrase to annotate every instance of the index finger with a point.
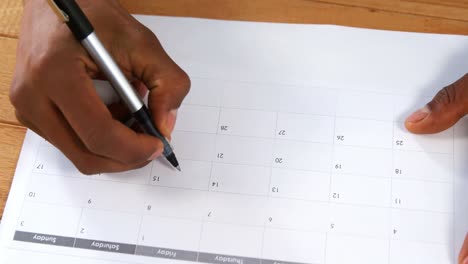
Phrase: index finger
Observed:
(94, 125)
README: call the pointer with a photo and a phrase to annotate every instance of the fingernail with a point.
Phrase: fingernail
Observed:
(156, 154)
(419, 115)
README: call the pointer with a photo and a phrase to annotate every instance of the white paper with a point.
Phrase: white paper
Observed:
(293, 150)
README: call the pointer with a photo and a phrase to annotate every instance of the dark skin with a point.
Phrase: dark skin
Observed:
(65, 109)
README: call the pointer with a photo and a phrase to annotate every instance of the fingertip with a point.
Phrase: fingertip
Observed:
(156, 154)
(429, 120)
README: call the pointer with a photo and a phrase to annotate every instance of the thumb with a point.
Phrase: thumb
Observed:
(446, 108)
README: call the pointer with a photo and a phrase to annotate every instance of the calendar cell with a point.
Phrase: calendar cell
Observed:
(418, 226)
(50, 160)
(49, 219)
(360, 190)
(57, 190)
(236, 209)
(415, 252)
(243, 150)
(308, 101)
(247, 123)
(131, 198)
(204, 92)
(193, 146)
(356, 250)
(241, 179)
(293, 246)
(176, 203)
(314, 128)
(195, 118)
(367, 133)
(136, 176)
(302, 155)
(418, 195)
(362, 161)
(306, 185)
(176, 234)
(250, 96)
(360, 220)
(423, 166)
(365, 106)
(224, 240)
(437, 143)
(194, 174)
(298, 215)
(109, 226)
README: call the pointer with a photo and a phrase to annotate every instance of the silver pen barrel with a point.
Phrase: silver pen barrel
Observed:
(112, 72)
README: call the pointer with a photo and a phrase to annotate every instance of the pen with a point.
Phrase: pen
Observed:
(76, 20)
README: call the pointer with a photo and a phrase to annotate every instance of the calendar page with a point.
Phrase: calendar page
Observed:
(292, 148)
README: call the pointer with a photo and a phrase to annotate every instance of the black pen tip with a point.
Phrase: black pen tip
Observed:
(173, 160)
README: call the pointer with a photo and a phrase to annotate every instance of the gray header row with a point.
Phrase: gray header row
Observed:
(155, 252)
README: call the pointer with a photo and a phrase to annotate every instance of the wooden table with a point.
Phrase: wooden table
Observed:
(438, 16)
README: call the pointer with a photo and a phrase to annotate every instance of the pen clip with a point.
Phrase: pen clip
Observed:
(59, 12)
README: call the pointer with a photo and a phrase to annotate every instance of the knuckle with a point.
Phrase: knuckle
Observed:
(147, 33)
(453, 97)
(40, 64)
(446, 96)
(143, 34)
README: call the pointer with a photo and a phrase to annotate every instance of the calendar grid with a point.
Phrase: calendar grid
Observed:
(255, 181)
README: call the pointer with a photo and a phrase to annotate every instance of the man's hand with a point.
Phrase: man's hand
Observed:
(448, 106)
(53, 92)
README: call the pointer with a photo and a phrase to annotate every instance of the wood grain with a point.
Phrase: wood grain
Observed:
(8, 55)
(453, 10)
(437, 16)
(390, 15)
(10, 16)
(447, 16)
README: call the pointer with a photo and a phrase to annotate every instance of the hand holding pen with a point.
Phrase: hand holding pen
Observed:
(54, 95)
